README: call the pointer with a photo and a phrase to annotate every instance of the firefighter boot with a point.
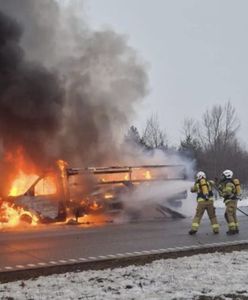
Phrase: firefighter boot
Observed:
(231, 232)
(192, 231)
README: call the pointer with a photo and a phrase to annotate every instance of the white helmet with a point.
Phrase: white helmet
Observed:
(200, 175)
(228, 174)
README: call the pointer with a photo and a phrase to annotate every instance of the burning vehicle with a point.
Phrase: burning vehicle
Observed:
(68, 97)
(65, 193)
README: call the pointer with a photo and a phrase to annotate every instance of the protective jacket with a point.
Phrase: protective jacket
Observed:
(229, 189)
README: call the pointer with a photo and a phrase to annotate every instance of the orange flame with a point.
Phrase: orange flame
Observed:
(22, 175)
(11, 216)
(21, 172)
(95, 206)
(21, 183)
(62, 166)
(46, 186)
(108, 196)
(148, 175)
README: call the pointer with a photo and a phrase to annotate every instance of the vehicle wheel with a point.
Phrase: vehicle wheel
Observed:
(26, 219)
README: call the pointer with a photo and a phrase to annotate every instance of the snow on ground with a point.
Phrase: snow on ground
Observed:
(182, 278)
(220, 204)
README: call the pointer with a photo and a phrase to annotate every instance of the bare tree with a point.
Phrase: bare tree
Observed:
(217, 137)
(190, 129)
(231, 123)
(153, 137)
(219, 127)
(190, 145)
(133, 136)
(211, 127)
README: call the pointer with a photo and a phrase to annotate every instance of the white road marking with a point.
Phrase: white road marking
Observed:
(82, 259)
(128, 253)
(20, 266)
(155, 251)
(135, 253)
(63, 261)
(169, 249)
(120, 254)
(73, 260)
(42, 264)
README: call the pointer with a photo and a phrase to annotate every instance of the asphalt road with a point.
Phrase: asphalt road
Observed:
(44, 246)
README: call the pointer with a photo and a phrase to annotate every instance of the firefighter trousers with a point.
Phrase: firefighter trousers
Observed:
(231, 214)
(207, 205)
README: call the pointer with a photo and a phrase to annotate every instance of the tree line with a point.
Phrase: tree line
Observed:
(210, 142)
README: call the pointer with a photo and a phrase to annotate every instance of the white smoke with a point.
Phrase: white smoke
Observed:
(174, 194)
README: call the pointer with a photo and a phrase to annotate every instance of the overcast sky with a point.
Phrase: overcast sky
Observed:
(196, 52)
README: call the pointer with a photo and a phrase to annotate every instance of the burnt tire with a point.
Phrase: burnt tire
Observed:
(26, 219)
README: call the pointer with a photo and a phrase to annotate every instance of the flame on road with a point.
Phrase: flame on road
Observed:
(11, 216)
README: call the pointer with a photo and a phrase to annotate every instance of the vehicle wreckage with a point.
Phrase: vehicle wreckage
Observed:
(76, 192)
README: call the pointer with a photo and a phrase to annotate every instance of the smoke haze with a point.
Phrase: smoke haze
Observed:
(65, 90)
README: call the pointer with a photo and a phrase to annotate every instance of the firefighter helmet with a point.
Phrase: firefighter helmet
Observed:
(200, 175)
(228, 174)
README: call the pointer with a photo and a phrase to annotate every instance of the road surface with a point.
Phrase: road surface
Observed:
(45, 246)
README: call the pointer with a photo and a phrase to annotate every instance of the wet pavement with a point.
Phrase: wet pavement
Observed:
(62, 244)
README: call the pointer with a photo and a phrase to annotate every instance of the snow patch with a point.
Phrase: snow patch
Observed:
(182, 278)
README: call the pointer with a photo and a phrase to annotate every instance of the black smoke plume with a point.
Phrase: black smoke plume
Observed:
(31, 99)
(66, 91)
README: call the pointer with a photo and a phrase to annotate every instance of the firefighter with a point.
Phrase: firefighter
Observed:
(205, 201)
(229, 189)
